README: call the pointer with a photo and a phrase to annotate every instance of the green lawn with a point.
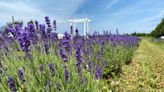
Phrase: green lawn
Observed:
(145, 73)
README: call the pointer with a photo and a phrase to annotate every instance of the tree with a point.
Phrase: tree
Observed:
(159, 30)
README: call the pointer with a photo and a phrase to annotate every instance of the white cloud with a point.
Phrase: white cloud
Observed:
(111, 4)
(28, 9)
(19, 10)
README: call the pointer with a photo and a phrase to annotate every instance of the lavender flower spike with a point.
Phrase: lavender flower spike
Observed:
(47, 48)
(52, 70)
(11, 84)
(24, 41)
(98, 72)
(21, 75)
(36, 24)
(66, 74)
(63, 56)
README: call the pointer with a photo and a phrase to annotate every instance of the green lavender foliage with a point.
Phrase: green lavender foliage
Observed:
(15, 59)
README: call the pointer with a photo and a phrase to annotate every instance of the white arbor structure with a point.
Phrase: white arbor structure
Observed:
(84, 20)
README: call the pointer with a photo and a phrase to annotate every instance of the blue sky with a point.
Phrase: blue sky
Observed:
(126, 15)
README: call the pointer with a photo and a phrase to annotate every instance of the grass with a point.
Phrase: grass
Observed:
(145, 73)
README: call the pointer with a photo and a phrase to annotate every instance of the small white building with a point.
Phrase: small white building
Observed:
(60, 36)
(162, 37)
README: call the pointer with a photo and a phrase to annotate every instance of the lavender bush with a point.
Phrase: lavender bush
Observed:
(33, 59)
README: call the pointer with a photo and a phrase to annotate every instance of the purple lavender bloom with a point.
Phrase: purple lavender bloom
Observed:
(26, 28)
(31, 28)
(67, 36)
(11, 30)
(63, 56)
(77, 32)
(47, 21)
(54, 37)
(36, 24)
(98, 72)
(52, 69)
(54, 25)
(66, 42)
(17, 27)
(17, 30)
(42, 27)
(32, 33)
(21, 75)
(102, 44)
(47, 48)
(78, 56)
(24, 41)
(89, 49)
(12, 84)
(43, 32)
(66, 74)
(35, 38)
(71, 29)
(49, 29)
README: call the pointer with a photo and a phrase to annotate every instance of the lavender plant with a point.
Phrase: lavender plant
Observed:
(71, 64)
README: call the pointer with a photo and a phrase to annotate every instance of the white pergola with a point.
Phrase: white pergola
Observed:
(84, 20)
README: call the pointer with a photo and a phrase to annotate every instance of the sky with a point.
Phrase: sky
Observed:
(126, 15)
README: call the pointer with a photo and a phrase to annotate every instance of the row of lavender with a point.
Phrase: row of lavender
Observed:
(33, 59)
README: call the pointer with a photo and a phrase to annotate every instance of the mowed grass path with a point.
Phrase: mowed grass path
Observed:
(146, 72)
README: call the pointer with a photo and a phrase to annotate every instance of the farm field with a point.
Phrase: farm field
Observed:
(82, 46)
(145, 73)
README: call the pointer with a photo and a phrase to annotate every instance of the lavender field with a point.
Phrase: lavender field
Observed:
(81, 45)
(34, 59)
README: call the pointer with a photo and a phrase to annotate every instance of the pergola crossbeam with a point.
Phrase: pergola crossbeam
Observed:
(84, 20)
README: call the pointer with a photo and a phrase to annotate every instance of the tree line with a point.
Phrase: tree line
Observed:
(157, 32)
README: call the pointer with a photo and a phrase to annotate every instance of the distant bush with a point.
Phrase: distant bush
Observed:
(140, 34)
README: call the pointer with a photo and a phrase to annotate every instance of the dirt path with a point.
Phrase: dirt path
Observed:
(146, 72)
